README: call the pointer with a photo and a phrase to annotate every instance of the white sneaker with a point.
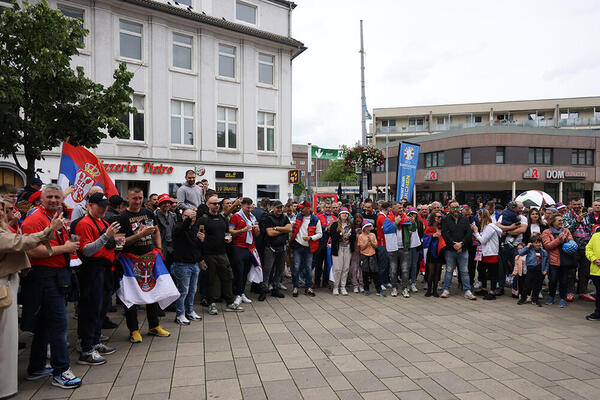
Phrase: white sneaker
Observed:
(182, 320)
(413, 288)
(383, 288)
(355, 290)
(454, 273)
(336, 291)
(282, 286)
(445, 294)
(469, 295)
(389, 285)
(194, 316)
(238, 300)
(405, 293)
(361, 288)
(344, 291)
(477, 285)
(528, 299)
(394, 292)
(245, 299)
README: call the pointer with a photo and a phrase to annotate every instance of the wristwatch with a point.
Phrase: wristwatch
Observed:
(275, 228)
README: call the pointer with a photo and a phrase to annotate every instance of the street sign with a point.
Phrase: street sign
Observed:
(293, 176)
(330, 154)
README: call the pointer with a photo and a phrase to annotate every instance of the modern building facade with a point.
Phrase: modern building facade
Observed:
(533, 146)
(213, 90)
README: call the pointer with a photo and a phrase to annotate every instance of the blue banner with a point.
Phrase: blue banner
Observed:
(408, 157)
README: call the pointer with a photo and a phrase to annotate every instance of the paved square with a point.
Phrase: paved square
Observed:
(350, 347)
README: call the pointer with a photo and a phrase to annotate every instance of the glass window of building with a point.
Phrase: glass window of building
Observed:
(435, 159)
(500, 155)
(182, 122)
(130, 40)
(582, 157)
(265, 131)
(135, 122)
(226, 127)
(245, 12)
(268, 191)
(266, 68)
(540, 155)
(182, 51)
(466, 156)
(74, 13)
(226, 61)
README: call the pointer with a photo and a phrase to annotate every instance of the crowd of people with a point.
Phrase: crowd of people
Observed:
(219, 251)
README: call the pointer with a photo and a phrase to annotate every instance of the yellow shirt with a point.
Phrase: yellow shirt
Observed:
(592, 252)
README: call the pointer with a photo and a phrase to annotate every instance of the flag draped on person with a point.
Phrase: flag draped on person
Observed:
(82, 169)
(146, 280)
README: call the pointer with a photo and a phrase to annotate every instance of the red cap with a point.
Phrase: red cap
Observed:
(304, 204)
(35, 196)
(164, 197)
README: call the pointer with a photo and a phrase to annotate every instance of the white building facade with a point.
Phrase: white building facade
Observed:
(213, 89)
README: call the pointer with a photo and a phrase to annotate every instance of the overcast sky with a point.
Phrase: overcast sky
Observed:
(436, 52)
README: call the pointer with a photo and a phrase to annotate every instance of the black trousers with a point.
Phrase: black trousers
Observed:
(91, 305)
(319, 258)
(472, 264)
(132, 319)
(368, 265)
(533, 282)
(491, 273)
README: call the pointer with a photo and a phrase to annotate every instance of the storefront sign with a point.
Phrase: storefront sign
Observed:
(431, 175)
(229, 174)
(531, 173)
(147, 167)
(557, 174)
(227, 189)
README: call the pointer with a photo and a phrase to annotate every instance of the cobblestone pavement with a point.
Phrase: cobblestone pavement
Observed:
(351, 348)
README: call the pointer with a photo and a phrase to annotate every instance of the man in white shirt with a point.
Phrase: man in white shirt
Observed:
(305, 241)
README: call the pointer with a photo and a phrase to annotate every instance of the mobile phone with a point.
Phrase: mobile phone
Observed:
(201, 228)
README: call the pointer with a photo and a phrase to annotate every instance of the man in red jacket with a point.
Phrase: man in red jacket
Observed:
(305, 241)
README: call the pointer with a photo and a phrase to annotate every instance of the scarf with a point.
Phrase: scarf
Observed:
(555, 231)
(249, 222)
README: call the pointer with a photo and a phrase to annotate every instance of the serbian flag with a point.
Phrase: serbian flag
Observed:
(82, 169)
(146, 280)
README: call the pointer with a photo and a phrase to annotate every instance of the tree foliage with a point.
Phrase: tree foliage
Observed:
(43, 101)
(299, 189)
(338, 172)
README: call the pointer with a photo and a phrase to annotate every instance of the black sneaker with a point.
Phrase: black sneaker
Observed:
(103, 349)
(295, 292)
(277, 293)
(91, 358)
(489, 296)
(108, 324)
(537, 303)
(262, 296)
(522, 301)
(309, 292)
(593, 317)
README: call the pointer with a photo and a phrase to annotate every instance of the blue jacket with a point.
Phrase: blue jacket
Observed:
(531, 258)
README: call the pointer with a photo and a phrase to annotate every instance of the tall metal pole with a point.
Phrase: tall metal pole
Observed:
(387, 185)
(365, 189)
(309, 177)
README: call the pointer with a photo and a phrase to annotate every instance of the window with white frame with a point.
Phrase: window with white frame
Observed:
(74, 13)
(135, 122)
(245, 12)
(265, 131)
(182, 51)
(227, 61)
(130, 40)
(182, 122)
(266, 68)
(226, 127)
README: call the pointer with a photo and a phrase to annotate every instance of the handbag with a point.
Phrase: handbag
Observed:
(567, 260)
(5, 297)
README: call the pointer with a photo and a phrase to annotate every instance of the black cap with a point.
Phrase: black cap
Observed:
(36, 181)
(277, 203)
(99, 198)
(115, 200)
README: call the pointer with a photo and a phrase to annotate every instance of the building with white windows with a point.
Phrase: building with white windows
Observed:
(213, 90)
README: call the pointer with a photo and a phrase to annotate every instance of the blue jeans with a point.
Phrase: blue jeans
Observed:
(302, 265)
(462, 258)
(383, 266)
(186, 279)
(51, 325)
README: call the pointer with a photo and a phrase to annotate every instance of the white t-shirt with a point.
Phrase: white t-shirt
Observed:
(515, 240)
(535, 228)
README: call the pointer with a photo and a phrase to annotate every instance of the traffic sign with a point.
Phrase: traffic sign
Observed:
(293, 176)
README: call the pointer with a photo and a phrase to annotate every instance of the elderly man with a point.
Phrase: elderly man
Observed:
(44, 295)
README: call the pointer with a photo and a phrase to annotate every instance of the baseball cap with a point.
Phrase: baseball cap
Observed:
(164, 197)
(277, 203)
(304, 204)
(99, 199)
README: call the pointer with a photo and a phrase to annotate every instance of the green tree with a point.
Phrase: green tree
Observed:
(43, 101)
(299, 189)
(338, 172)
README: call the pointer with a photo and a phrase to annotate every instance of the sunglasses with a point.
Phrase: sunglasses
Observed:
(454, 208)
(213, 203)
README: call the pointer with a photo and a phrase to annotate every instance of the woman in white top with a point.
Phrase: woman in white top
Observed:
(535, 225)
(490, 246)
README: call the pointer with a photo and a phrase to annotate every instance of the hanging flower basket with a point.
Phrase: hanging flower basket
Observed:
(364, 157)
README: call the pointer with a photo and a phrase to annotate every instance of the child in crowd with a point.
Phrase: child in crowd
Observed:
(537, 263)
(519, 271)
(509, 214)
(367, 242)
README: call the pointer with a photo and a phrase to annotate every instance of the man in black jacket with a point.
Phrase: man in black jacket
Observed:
(187, 255)
(457, 232)
(277, 227)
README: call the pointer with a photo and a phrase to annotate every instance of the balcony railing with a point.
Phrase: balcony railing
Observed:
(548, 123)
